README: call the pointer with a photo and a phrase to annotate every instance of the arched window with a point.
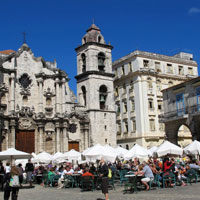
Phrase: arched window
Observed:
(83, 57)
(127, 146)
(99, 39)
(101, 60)
(102, 97)
(84, 95)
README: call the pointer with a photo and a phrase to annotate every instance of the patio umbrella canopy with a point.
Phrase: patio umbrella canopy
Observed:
(98, 151)
(193, 148)
(136, 152)
(56, 157)
(72, 155)
(121, 151)
(152, 150)
(169, 148)
(12, 153)
(43, 157)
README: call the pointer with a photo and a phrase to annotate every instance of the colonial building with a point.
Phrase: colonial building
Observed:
(39, 110)
(139, 79)
(182, 107)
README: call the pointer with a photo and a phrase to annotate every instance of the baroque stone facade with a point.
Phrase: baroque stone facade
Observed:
(38, 108)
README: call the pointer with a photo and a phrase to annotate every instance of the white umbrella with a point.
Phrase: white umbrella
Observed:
(169, 148)
(72, 155)
(152, 150)
(43, 157)
(121, 151)
(193, 148)
(98, 151)
(12, 153)
(56, 157)
(137, 151)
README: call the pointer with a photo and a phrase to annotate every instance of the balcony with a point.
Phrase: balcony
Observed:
(181, 113)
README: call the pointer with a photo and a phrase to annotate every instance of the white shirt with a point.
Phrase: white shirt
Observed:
(7, 169)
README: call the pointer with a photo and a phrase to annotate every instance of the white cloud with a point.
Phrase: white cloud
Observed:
(193, 10)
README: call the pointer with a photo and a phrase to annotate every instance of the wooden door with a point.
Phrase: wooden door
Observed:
(25, 141)
(73, 145)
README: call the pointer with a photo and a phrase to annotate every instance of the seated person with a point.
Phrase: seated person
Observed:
(147, 173)
(50, 172)
(87, 173)
(69, 170)
(189, 171)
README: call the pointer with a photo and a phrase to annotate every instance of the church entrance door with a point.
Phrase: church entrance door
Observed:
(73, 145)
(25, 141)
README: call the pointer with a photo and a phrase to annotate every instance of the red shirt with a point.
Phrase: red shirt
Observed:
(88, 174)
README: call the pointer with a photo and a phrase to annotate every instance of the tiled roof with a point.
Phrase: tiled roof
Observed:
(8, 52)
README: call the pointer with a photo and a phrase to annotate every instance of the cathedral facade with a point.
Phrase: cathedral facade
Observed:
(39, 111)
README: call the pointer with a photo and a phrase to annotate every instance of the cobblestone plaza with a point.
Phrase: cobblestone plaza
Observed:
(41, 193)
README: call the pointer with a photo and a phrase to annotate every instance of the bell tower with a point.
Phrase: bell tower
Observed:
(95, 86)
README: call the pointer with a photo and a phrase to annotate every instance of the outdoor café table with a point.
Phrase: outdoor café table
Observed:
(132, 182)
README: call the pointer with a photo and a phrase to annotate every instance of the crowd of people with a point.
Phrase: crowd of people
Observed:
(12, 177)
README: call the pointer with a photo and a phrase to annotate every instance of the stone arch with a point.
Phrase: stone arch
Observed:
(103, 92)
(84, 99)
(101, 62)
(184, 135)
(83, 59)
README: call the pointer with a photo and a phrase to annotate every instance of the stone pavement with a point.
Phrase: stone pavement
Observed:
(41, 193)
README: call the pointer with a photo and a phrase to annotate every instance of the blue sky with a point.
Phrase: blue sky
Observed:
(55, 28)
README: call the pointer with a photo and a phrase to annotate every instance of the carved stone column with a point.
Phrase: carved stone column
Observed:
(63, 95)
(12, 131)
(12, 94)
(65, 137)
(41, 140)
(57, 96)
(40, 104)
(58, 137)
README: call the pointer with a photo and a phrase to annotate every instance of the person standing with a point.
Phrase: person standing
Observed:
(7, 188)
(104, 176)
(2, 173)
(20, 169)
(29, 170)
(12, 184)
